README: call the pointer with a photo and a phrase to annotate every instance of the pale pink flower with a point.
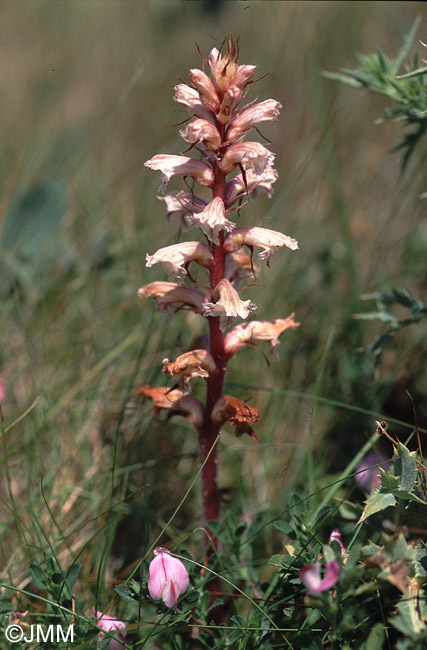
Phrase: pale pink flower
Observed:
(266, 239)
(171, 165)
(170, 293)
(174, 258)
(239, 266)
(250, 155)
(211, 220)
(208, 95)
(337, 537)
(250, 186)
(310, 576)
(168, 577)
(243, 75)
(190, 97)
(232, 97)
(266, 111)
(202, 131)
(180, 203)
(2, 391)
(192, 364)
(111, 624)
(228, 305)
(246, 333)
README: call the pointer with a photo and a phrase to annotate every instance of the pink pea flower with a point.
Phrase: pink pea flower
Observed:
(2, 391)
(336, 536)
(310, 576)
(368, 472)
(111, 624)
(168, 577)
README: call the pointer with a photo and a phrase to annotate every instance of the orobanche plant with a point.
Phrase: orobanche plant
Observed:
(209, 276)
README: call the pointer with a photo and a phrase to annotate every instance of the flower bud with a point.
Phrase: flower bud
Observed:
(208, 94)
(168, 577)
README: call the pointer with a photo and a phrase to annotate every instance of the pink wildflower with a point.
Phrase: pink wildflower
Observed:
(176, 257)
(111, 624)
(228, 305)
(168, 577)
(335, 536)
(266, 239)
(2, 391)
(266, 111)
(310, 576)
(211, 220)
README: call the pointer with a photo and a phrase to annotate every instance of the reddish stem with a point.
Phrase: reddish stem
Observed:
(209, 431)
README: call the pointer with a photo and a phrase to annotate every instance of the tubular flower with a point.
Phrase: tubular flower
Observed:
(176, 257)
(250, 155)
(239, 266)
(190, 97)
(174, 401)
(195, 363)
(250, 186)
(202, 131)
(111, 624)
(171, 165)
(266, 111)
(237, 413)
(170, 293)
(246, 333)
(211, 220)
(204, 86)
(310, 576)
(168, 577)
(262, 237)
(180, 203)
(228, 305)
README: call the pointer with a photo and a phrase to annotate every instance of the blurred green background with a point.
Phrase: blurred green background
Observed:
(86, 97)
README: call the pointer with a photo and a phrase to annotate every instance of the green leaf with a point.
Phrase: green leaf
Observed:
(408, 619)
(38, 577)
(407, 43)
(71, 575)
(127, 592)
(376, 638)
(376, 503)
(284, 527)
(405, 467)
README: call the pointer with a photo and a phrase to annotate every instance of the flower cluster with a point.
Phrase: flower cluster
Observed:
(227, 170)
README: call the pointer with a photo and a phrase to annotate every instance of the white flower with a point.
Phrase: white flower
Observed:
(267, 239)
(174, 258)
(180, 203)
(211, 220)
(171, 165)
(228, 305)
(190, 97)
